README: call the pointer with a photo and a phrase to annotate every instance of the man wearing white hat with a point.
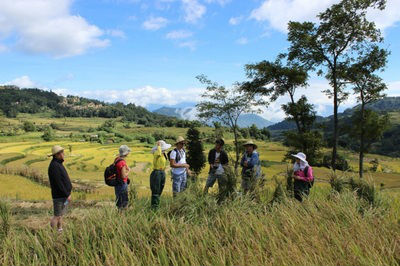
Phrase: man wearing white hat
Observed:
(180, 169)
(303, 176)
(157, 177)
(61, 186)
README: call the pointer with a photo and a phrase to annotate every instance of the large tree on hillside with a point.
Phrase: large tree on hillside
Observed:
(275, 79)
(368, 87)
(341, 33)
(226, 106)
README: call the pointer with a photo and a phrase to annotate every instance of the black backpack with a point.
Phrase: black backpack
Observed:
(111, 174)
(311, 183)
(178, 155)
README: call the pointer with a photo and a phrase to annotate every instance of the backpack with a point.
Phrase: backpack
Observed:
(111, 174)
(178, 155)
(311, 183)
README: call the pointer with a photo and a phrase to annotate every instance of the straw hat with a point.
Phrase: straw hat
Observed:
(55, 149)
(301, 156)
(250, 143)
(124, 150)
(179, 140)
(164, 146)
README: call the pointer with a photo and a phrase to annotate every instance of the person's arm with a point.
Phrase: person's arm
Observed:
(210, 159)
(57, 176)
(174, 164)
(125, 171)
(224, 158)
(158, 152)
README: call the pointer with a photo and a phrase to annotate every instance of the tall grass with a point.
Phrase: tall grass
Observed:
(194, 229)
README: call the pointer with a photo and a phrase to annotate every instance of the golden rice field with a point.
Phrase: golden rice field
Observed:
(86, 161)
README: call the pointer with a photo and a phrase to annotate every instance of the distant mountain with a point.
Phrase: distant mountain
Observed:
(387, 104)
(189, 113)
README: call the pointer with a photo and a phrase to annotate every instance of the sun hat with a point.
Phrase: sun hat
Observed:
(220, 141)
(179, 140)
(124, 150)
(55, 149)
(301, 156)
(250, 143)
(164, 146)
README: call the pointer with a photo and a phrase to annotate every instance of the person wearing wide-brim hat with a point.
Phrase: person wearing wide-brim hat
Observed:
(303, 176)
(251, 168)
(60, 185)
(157, 177)
(123, 170)
(180, 169)
(217, 158)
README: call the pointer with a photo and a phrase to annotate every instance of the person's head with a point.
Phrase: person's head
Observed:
(57, 152)
(180, 143)
(250, 147)
(219, 143)
(300, 157)
(124, 151)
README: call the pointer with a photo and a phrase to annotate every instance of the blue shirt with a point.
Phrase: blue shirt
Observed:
(251, 159)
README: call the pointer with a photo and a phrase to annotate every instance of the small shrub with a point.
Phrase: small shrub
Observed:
(341, 162)
(29, 126)
(48, 134)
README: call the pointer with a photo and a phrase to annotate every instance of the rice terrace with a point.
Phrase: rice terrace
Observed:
(297, 163)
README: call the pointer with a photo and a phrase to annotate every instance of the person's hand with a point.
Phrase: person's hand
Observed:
(217, 161)
(69, 198)
(296, 177)
(189, 172)
(245, 163)
(186, 166)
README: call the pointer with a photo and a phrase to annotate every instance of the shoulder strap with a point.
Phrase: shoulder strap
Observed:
(118, 160)
(306, 171)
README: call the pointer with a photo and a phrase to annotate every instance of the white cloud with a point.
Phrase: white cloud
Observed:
(192, 45)
(178, 34)
(393, 88)
(116, 33)
(221, 2)
(242, 41)
(155, 23)
(22, 82)
(279, 12)
(47, 27)
(193, 10)
(3, 48)
(235, 20)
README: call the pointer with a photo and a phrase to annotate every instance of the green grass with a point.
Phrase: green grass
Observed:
(327, 229)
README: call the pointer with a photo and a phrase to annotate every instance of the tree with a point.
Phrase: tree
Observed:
(48, 134)
(341, 33)
(368, 127)
(29, 126)
(368, 88)
(307, 140)
(226, 106)
(195, 151)
(274, 79)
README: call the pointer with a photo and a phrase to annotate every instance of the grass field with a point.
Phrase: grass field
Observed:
(330, 228)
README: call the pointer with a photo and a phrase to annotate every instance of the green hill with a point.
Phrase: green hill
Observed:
(14, 100)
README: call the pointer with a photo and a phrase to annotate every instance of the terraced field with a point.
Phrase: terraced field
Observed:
(86, 161)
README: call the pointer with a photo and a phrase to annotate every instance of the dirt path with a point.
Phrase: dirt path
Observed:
(139, 167)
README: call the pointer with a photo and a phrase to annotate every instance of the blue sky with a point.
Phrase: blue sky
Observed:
(149, 52)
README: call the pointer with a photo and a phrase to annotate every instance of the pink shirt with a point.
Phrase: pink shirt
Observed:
(303, 177)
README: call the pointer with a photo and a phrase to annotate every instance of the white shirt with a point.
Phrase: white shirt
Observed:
(220, 169)
(182, 154)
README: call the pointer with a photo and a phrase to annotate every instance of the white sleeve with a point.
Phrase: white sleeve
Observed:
(172, 155)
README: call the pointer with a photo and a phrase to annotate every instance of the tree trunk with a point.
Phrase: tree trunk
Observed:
(296, 117)
(335, 117)
(362, 136)
(236, 149)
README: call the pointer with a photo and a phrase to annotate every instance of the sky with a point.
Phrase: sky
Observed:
(149, 52)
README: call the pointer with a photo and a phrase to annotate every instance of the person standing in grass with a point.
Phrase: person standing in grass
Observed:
(157, 177)
(251, 169)
(61, 186)
(180, 169)
(217, 158)
(123, 170)
(303, 176)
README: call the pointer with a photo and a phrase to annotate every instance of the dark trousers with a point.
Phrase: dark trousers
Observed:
(157, 182)
(301, 189)
(121, 194)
